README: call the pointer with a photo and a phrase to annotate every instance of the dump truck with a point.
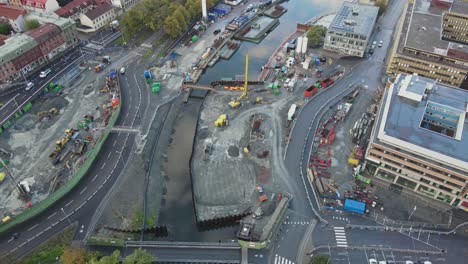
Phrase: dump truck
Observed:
(309, 92)
(261, 194)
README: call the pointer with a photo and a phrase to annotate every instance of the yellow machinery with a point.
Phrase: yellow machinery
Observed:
(50, 113)
(236, 102)
(221, 121)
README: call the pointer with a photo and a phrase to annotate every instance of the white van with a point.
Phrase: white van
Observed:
(122, 70)
(29, 86)
(44, 73)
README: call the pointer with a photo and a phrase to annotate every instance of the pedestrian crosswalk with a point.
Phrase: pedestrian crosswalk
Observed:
(296, 223)
(340, 237)
(281, 260)
(341, 218)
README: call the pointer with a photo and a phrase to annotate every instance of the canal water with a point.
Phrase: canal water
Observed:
(178, 211)
(299, 11)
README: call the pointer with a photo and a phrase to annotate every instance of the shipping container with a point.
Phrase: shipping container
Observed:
(310, 91)
(354, 206)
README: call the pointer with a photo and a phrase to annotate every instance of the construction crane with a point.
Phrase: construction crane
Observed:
(246, 78)
(236, 102)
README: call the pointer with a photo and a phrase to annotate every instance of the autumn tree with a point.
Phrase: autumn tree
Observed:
(31, 24)
(73, 256)
(382, 4)
(139, 256)
(112, 259)
(315, 35)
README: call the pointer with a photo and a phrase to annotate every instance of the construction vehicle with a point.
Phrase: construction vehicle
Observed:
(261, 194)
(236, 102)
(104, 63)
(49, 114)
(222, 121)
(60, 144)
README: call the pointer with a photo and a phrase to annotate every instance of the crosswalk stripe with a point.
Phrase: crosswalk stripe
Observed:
(342, 245)
(338, 227)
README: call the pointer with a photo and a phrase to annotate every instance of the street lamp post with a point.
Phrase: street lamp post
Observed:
(414, 209)
(66, 216)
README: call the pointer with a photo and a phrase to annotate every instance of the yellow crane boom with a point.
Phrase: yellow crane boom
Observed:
(246, 77)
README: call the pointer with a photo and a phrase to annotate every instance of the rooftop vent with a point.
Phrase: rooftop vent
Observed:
(349, 22)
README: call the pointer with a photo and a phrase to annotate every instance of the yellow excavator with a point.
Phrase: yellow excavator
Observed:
(236, 102)
(222, 121)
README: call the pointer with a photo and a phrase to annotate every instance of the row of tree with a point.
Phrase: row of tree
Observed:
(79, 256)
(174, 16)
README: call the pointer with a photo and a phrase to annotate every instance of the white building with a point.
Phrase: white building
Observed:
(351, 29)
(97, 18)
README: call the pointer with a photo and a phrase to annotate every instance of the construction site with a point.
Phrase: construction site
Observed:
(46, 146)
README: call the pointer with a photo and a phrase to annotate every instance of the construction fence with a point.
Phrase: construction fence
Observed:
(54, 197)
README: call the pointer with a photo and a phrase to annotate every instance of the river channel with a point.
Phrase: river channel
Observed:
(179, 214)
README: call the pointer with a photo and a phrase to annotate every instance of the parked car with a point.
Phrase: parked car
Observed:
(380, 43)
(217, 31)
(122, 70)
(372, 261)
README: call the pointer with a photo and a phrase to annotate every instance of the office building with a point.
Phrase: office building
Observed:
(455, 22)
(351, 30)
(422, 46)
(420, 139)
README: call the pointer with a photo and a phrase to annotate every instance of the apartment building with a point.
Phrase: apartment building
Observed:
(124, 4)
(75, 8)
(455, 23)
(40, 6)
(420, 139)
(421, 49)
(14, 16)
(351, 29)
(97, 18)
(50, 40)
(22, 54)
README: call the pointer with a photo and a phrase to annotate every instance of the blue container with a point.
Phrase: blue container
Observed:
(354, 206)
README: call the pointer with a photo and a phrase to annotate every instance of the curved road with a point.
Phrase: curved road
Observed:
(79, 205)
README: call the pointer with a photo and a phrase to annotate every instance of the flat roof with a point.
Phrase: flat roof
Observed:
(459, 7)
(355, 18)
(16, 42)
(432, 125)
(50, 18)
(425, 30)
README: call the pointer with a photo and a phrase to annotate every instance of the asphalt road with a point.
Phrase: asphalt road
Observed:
(79, 205)
(17, 97)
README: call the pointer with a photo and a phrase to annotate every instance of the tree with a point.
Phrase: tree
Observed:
(315, 35)
(112, 259)
(320, 259)
(31, 24)
(139, 256)
(5, 29)
(382, 4)
(73, 256)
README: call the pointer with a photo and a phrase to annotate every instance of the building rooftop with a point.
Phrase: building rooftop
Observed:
(460, 7)
(355, 18)
(73, 7)
(2, 39)
(425, 30)
(11, 12)
(44, 32)
(35, 3)
(427, 118)
(16, 45)
(99, 11)
(51, 18)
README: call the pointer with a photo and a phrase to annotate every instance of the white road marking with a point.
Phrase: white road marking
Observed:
(108, 156)
(50, 216)
(68, 203)
(115, 142)
(103, 165)
(11, 239)
(282, 260)
(94, 178)
(84, 189)
(33, 227)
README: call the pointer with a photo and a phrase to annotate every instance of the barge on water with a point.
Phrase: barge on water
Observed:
(257, 29)
(275, 11)
(229, 49)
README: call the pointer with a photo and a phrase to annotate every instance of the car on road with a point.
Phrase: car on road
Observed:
(217, 31)
(44, 74)
(372, 261)
(380, 43)
(122, 70)
(29, 86)
(409, 262)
